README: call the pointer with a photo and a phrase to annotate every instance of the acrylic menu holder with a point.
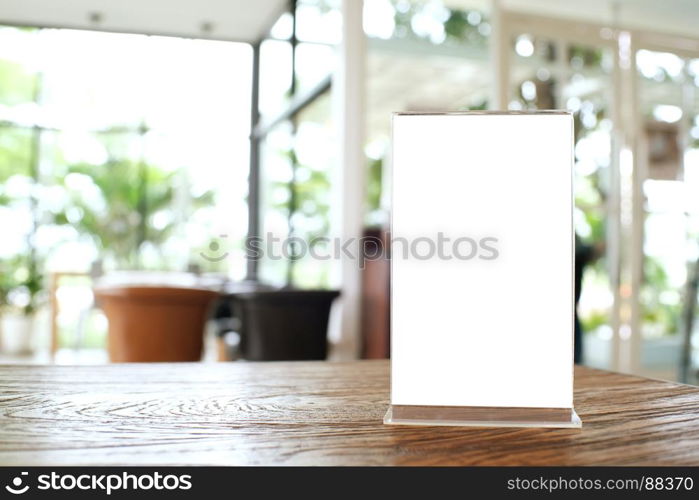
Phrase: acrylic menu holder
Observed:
(482, 323)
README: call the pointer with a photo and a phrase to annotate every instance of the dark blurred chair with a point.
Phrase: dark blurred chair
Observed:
(277, 325)
(376, 293)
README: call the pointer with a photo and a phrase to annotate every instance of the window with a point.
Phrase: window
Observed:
(295, 140)
(130, 150)
(554, 73)
(422, 57)
(667, 86)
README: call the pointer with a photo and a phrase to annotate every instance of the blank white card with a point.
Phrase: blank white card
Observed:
(482, 260)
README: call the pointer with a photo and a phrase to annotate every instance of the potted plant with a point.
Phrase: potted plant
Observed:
(21, 291)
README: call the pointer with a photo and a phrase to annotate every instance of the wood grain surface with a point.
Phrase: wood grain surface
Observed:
(313, 413)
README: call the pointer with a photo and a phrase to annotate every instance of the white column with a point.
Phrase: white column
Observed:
(499, 52)
(639, 167)
(627, 342)
(350, 179)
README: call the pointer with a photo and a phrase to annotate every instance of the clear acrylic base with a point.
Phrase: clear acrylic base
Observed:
(565, 418)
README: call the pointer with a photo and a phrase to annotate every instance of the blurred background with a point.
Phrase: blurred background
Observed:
(142, 142)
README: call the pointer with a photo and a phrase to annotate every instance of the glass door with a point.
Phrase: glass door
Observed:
(550, 71)
(668, 159)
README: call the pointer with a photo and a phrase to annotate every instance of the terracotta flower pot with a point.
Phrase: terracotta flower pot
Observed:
(155, 323)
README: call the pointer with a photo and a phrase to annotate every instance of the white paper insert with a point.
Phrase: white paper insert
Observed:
(496, 332)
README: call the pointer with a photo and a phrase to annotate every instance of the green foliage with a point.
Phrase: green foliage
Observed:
(307, 199)
(481, 106)
(456, 26)
(121, 221)
(374, 184)
(594, 320)
(655, 310)
(16, 83)
(590, 56)
(309, 203)
(21, 282)
(7, 282)
(20, 276)
(15, 151)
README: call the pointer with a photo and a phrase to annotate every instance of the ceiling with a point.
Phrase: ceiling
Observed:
(239, 20)
(248, 20)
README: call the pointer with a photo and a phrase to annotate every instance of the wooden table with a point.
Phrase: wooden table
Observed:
(313, 413)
